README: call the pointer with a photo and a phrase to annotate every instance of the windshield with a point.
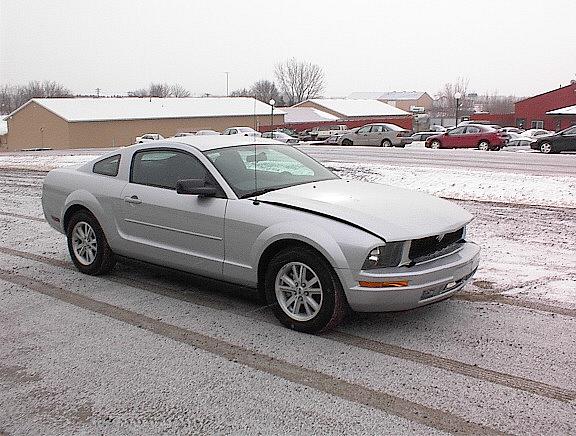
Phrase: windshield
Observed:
(256, 169)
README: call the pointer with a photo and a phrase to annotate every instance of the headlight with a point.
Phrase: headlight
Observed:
(385, 256)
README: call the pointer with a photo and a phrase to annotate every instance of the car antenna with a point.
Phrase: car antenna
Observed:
(255, 202)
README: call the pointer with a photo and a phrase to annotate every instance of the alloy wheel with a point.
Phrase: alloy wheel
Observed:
(546, 148)
(298, 291)
(84, 243)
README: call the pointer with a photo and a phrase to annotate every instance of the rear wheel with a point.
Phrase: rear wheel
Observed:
(347, 142)
(305, 290)
(386, 143)
(87, 244)
(546, 148)
(484, 146)
(435, 144)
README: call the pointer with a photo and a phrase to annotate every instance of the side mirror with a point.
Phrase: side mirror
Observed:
(199, 187)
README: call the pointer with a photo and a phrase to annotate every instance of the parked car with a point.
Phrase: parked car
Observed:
(181, 134)
(513, 130)
(516, 139)
(478, 136)
(147, 137)
(379, 134)
(437, 128)
(321, 133)
(422, 136)
(534, 133)
(207, 132)
(244, 131)
(279, 136)
(564, 140)
(264, 215)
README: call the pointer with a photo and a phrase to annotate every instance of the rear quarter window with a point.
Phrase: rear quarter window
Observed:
(108, 166)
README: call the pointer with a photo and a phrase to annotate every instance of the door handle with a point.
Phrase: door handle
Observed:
(134, 199)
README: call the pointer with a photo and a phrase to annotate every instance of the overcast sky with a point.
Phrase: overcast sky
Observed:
(505, 46)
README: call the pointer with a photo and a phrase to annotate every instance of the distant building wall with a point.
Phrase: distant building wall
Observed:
(531, 112)
(34, 126)
(424, 101)
(503, 120)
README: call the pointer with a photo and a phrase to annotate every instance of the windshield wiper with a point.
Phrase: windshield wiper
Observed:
(258, 192)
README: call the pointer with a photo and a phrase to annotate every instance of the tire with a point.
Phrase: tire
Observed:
(294, 304)
(436, 144)
(88, 246)
(484, 146)
(386, 143)
(546, 148)
(347, 142)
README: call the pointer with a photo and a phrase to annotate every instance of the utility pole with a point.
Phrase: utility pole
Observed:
(227, 73)
(97, 92)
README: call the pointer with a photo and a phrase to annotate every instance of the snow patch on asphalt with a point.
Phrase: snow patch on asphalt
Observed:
(43, 162)
(468, 184)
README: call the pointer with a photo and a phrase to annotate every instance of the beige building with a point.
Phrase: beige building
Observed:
(405, 100)
(107, 122)
(351, 109)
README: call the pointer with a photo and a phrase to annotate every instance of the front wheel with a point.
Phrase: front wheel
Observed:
(435, 144)
(305, 291)
(347, 142)
(87, 244)
(386, 143)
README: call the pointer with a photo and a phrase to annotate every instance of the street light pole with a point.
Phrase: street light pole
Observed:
(272, 103)
(457, 96)
(227, 73)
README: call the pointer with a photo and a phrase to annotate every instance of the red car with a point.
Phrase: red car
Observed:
(469, 136)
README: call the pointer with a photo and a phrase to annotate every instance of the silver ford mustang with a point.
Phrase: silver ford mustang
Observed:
(259, 213)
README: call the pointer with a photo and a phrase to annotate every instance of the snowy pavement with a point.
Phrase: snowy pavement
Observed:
(147, 350)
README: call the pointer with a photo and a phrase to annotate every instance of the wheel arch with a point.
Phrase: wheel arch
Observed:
(82, 199)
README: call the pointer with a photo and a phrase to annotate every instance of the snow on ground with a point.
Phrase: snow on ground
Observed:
(43, 162)
(465, 184)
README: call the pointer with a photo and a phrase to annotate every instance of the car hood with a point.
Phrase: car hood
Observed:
(394, 214)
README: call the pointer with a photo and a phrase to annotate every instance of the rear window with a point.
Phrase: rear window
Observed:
(108, 166)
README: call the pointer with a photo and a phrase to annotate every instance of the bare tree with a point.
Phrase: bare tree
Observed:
(178, 90)
(12, 97)
(299, 80)
(445, 104)
(162, 90)
(241, 93)
(265, 90)
(498, 104)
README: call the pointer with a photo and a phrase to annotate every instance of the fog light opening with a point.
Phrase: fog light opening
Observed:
(397, 284)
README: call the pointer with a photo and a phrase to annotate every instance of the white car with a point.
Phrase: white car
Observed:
(244, 131)
(280, 136)
(148, 137)
(534, 133)
(207, 132)
(321, 133)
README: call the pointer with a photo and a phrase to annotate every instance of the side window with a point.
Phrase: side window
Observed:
(457, 131)
(537, 124)
(108, 166)
(571, 131)
(364, 130)
(472, 129)
(377, 129)
(163, 168)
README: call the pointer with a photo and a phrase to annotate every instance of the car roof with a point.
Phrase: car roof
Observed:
(212, 142)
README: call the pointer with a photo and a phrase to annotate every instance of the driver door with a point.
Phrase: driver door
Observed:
(161, 226)
(362, 136)
(455, 137)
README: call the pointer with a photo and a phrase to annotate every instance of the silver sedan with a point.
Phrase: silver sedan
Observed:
(260, 213)
(379, 134)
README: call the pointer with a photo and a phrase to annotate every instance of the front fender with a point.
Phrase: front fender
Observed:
(312, 235)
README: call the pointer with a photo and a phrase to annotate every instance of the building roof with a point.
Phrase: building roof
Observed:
(571, 85)
(306, 115)
(358, 107)
(392, 96)
(134, 108)
(569, 110)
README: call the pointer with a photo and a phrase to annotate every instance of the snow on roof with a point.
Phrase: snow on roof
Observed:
(569, 110)
(130, 108)
(3, 127)
(306, 115)
(358, 107)
(392, 96)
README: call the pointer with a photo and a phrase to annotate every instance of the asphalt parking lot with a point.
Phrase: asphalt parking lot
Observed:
(149, 350)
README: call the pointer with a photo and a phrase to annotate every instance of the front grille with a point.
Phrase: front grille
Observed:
(434, 246)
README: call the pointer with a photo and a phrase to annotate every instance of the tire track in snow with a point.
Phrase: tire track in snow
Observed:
(220, 302)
